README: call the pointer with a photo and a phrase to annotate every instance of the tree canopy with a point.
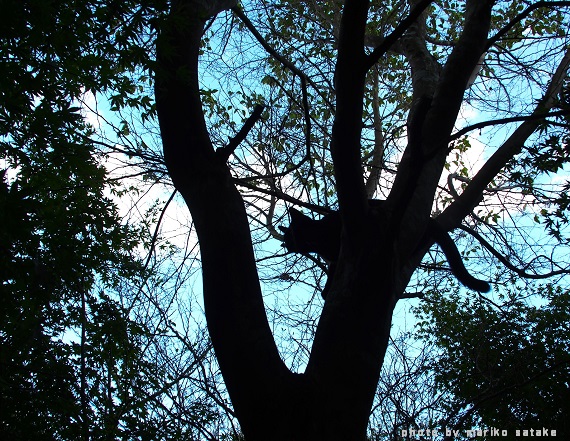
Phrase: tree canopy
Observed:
(452, 117)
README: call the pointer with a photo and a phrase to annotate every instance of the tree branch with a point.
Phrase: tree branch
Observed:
(225, 152)
(389, 41)
(506, 262)
(437, 101)
(412, 295)
(284, 61)
(520, 17)
(350, 74)
(256, 377)
(283, 196)
(289, 65)
(532, 117)
(379, 143)
(455, 75)
(452, 215)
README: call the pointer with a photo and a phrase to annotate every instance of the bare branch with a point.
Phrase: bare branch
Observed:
(283, 196)
(270, 50)
(225, 152)
(412, 295)
(289, 65)
(506, 262)
(493, 122)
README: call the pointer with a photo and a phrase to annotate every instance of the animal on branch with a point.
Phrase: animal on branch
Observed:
(322, 236)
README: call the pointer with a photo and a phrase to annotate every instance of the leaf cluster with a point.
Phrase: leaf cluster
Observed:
(502, 366)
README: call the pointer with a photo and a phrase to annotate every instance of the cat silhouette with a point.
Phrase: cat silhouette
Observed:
(322, 236)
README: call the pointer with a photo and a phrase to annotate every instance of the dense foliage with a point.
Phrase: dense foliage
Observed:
(78, 357)
(502, 365)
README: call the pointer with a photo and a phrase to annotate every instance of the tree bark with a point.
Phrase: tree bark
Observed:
(256, 378)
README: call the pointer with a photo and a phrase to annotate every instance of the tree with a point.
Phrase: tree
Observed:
(502, 366)
(81, 341)
(380, 247)
(68, 349)
(351, 101)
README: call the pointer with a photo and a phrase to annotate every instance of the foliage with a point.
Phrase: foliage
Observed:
(119, 338)
(78, 360)
(501, 366)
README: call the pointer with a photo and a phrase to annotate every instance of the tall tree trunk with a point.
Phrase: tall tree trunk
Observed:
(256, 378)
